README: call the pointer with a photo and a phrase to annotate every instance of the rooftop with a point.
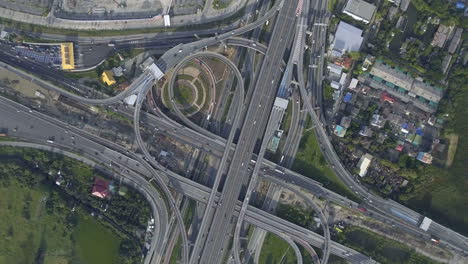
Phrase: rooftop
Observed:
(68, 59)
(347, 38)
(100, 188)
(360, 10)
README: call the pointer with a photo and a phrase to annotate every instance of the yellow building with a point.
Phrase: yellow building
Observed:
(68, 60)
(108, 77)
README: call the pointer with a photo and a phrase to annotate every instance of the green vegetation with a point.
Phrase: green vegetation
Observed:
(287, 118)
(297, 215)
(95, 243)
(276, 250)
(310, 162)
(176, 252)
(379, 248)
(42, 222)
(92, 74)
(327, 90)
(201, 91)
(220, 4)
(184, 77)
(443, 197)
(184, 94)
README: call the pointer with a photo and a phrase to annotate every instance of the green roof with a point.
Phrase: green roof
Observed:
(377, 78)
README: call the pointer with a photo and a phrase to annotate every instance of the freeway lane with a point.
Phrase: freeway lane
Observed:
(43, 129)
(254, 126)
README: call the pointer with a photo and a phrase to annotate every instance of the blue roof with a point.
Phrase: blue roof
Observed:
(348, 97)
(460, 5)
(419, 131)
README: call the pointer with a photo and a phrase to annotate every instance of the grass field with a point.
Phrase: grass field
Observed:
(183, 94)
(276, 250)
(26, 230)
(201, 91)
(24, 226)
(95, 244)
(310, 162)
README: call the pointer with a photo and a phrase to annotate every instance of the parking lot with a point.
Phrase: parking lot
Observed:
(49, 55)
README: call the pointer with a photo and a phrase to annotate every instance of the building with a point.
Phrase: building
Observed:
(347, 98)
(441, 36)
(377, 121)
(424, 157)
(346, 62)
(333, 68)
(100, 188)
(343, 78)
(345, 121)
(335, 85)
(353, 84)
(347, 38)
(108, 77)
(340, 131)
(360, 10)
(364, 164)
(387, 98)
(117, 71)
(366, 131)
(167, 21)
(368, 61)
(455, 40)
(400, 84)
(66, 53)
(4, 34)
(446, 63)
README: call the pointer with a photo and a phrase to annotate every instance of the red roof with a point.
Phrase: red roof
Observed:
(100, 188)
(399, 147)
(388, 98)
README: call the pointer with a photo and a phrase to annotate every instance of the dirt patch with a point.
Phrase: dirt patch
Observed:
(25, 87)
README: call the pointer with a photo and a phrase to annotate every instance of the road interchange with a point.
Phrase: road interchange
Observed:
(144, 83)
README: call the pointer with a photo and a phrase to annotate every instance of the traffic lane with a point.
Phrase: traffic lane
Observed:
(243, 152)
(106, 153)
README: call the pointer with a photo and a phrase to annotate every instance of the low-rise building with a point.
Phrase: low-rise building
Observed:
(446, 63)
(347, 38)
(335, 85)
(353, 84)
(100, 188)
(364, 164)
(402, 85)
(424, 157)
(340, 131)
(441, 36)
(345, 121)
(108, 77)
(366, 131)
(335, 69)
(360, 10)
(377, 121)
(455, 40)
(68, 59)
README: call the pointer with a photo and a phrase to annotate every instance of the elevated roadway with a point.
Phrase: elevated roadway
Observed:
(254, 125)
(177, 182)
